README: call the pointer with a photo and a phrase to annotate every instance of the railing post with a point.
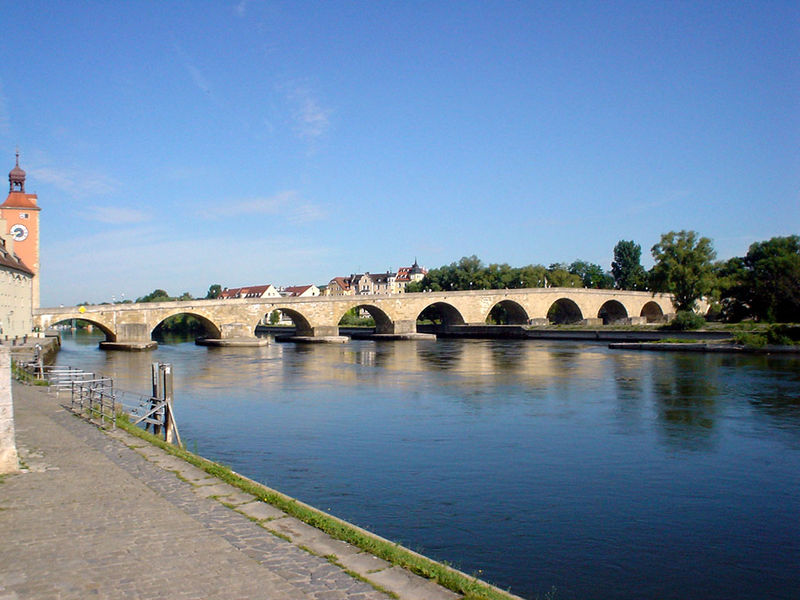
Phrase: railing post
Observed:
(158, 392)
(171, 435)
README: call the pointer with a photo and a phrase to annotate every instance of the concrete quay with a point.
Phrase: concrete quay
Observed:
(102, 514)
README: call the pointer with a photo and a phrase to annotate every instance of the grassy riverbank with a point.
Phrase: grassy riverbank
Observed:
(471, 588)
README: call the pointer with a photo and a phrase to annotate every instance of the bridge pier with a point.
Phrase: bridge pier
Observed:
(131, 337)
(233, 335)
(403, 329)
(321, 334)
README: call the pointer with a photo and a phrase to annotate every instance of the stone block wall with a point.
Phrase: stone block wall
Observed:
(8, 447)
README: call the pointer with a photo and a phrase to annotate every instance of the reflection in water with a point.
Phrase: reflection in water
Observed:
(685, 390)
(618, 475)
(444, 356)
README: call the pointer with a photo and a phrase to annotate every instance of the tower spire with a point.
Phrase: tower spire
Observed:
(16, 178)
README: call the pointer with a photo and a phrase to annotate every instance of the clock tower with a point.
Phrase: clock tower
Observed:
(21, 215)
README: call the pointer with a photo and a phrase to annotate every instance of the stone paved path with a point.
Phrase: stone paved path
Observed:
(94, 517)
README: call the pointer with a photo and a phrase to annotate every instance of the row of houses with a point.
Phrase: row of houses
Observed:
(269, 291)
(357, 284)
(391, 282)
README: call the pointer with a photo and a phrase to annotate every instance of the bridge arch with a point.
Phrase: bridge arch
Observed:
(111, 336)
(507, 312)
(564, 311)
(302, 324)
(652, 312)
(446, 313)
(612, 311)
(383, 322)
(209, 327)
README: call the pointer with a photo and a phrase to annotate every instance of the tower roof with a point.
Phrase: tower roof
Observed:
(17, 198)
(16, 178)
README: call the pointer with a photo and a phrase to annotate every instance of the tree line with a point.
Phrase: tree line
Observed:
(763, 285)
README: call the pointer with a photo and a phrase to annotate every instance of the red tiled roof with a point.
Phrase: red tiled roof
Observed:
(297, 290)
(20, 200)
(253, 291)
(342, 282)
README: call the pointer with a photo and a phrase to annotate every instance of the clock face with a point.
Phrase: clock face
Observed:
(19, 231)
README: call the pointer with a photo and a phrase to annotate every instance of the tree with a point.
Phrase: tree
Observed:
(731, 290)
(627, 270)
(773, 279)
(683, 267)
(558, 275)
(591, 275)
(156, 296)
(214, 291)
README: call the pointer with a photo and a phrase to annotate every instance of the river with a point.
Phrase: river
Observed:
(537, 465)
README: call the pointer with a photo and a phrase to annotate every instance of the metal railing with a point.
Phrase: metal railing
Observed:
(95, 397)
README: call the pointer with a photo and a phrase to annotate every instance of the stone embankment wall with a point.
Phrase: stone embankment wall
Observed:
(8, 448)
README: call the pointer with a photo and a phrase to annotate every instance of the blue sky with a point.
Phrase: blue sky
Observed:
(178, 144)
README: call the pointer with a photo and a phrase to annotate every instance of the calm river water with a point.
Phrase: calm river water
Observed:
(603, 474)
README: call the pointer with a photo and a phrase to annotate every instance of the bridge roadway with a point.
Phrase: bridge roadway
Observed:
(233, 322)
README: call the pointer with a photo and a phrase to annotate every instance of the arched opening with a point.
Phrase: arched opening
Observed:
(284, 318)
(652, 312)
(84, 330)
(507, 312)
(184, 327)
(365, 315)
(563, 312)
(612, 312)
(276, 318)
(440, 313)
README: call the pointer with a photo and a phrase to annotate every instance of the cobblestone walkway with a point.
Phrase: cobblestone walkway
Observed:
(94, 517)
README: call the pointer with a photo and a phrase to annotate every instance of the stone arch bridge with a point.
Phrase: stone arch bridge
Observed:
(131, 325)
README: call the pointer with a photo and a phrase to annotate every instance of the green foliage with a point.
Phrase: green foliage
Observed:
(352, 319)
(19, 373)
(627, 270)
(779, 335)
(773, 279)
(683, 268)
(750, 339)
(764, 284)
(558, 275)
(783, 334)
(592, 275)
(730, 291)
(214, 291)
(178, 324)
(156, 296)
(181, 324)
(685, 320)
(470, 273)
(498, 315)
(431, 315)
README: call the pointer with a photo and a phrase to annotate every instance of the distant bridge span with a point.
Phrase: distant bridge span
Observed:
(318, 317)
